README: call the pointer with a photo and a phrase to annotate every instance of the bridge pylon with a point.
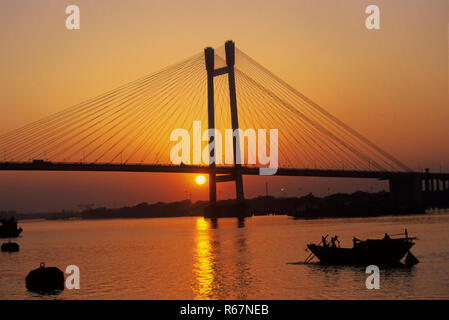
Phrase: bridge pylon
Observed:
(238, 209)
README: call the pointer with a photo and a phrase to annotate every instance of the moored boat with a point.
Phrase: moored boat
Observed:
(8, 228)
(386, 251)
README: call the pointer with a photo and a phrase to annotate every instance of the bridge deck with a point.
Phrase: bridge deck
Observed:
(108, 167)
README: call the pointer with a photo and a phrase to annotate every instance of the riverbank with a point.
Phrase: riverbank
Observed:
(357, 204)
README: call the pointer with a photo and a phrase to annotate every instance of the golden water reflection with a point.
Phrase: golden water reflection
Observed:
(213, 250)
(204, 262)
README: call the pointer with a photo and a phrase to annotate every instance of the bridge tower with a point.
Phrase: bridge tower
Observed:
(236, 176)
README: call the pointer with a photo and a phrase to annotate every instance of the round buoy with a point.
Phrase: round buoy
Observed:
(10, 247)
(45, 279)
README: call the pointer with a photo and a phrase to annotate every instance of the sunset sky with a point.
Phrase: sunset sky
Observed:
(389, 84)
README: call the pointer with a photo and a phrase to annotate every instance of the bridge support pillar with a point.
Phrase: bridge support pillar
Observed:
(230, 60)
(210, 67)
(427, 181)
(445, 193)
(239, 208)
(406, 192)
(426, 185)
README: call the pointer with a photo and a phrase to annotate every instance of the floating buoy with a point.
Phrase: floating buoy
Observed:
(10, 247)
(45, 279)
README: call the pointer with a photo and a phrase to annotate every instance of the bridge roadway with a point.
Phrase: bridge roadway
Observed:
(39, 165)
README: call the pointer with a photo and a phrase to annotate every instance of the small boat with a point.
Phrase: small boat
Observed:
(8, 228)
(386, 251)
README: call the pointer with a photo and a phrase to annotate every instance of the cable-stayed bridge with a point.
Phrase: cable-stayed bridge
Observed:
(129, 128)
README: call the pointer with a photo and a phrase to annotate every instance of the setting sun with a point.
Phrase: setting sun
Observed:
(200, 180)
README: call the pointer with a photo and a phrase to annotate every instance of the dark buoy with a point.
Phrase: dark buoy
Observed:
(410, 259)
(10, 247)
(45, 280)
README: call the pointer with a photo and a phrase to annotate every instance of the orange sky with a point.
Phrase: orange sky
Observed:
(391, 84)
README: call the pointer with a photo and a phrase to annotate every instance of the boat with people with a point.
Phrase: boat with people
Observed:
(8, 228)
(385, 251)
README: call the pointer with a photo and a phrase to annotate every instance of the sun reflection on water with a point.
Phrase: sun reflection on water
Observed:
(204, 259)
(213, 250)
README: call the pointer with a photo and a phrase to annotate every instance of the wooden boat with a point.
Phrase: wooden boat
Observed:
(386, 251)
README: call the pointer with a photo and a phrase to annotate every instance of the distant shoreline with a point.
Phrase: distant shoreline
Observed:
(340, 205)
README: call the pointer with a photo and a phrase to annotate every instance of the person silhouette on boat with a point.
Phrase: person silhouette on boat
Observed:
(334, 240)
(355, 241)
(323, 240)
(386, 237)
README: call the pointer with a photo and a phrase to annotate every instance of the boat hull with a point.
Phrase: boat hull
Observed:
(10, 233)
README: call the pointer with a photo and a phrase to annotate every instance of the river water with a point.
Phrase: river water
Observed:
(190, 258)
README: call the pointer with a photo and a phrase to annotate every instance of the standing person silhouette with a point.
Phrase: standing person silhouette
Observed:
(323, 240)
(334, 240)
